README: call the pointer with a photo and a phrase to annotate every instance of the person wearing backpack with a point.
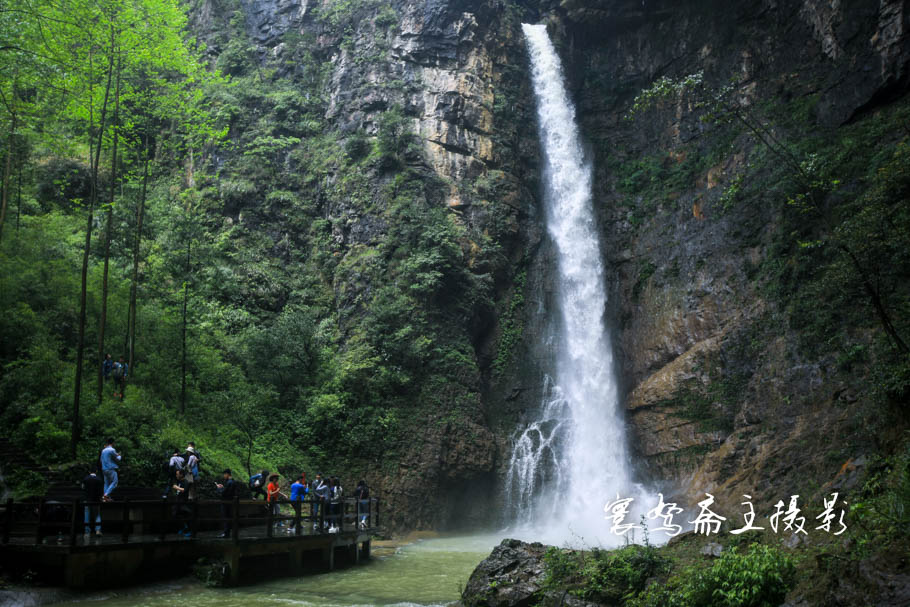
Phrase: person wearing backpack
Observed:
(320, 493)
(362, 493)
(120, 372)
(192, 468)
(107, 366)
(175, 463)
(257, 483)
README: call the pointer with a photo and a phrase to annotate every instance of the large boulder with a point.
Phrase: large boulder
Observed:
(513, 576)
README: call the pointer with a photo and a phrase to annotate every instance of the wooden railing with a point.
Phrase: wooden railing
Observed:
(47, 522)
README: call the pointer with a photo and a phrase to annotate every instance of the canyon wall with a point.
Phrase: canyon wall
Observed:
(721, 391)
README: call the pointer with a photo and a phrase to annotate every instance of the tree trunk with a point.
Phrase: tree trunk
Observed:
(186, 289)
(7, 169)
(19, 196)
(102, 324)
(134, 286)
(95, 149)
(249, 455)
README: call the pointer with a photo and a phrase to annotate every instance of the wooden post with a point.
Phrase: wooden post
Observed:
(328, 556)
(235, 522)
(322, 507)
(297, 519)
(39, 535)
(268, 520)
(195, 522)
(74, 522)
(296, 561)
(164, 517)
(8, 526)
(370, 513)
(377, 512)
(234, 563)
(125, 522)
(366, 550)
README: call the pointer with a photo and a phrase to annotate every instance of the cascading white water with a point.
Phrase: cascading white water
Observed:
(569, 462)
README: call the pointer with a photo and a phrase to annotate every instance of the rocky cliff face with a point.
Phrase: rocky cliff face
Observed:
(454, 71)
(719, 396)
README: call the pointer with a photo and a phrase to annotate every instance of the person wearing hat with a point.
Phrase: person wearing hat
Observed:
(191, 457)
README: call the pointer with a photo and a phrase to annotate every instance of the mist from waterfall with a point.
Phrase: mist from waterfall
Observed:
(572, 459)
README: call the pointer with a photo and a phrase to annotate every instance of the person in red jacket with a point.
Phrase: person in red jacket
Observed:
(273, 492)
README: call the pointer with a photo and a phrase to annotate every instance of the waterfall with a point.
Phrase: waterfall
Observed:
(572, 459)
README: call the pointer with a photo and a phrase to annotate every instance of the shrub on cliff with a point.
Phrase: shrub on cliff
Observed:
(603, 576)
(760, 578)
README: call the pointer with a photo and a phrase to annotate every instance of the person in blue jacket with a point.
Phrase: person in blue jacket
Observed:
(299, 490)
(110, 464)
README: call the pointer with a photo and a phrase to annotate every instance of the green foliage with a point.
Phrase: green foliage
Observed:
(644, 275)
(759, 578)
(666, 89)
(880, 515)
(357, 146)
(23, 484)
(387, 17)
(511, 325)
(393, 140)
(328, 292)
(562, 565)
(851, 275)
(603, 576)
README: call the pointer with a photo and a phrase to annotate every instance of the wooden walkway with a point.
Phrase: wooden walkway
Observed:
(151, 538)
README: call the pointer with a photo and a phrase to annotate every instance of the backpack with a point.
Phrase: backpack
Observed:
(364, 492)
(171, 468)
(118, 371)
(255, 481)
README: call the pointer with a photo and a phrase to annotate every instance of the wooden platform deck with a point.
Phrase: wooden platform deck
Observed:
(144, 539)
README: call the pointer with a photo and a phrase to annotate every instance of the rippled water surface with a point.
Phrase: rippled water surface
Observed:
(426, 572)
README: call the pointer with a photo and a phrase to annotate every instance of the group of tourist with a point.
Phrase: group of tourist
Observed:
(183, 482)
(326, 492)
(183, 473)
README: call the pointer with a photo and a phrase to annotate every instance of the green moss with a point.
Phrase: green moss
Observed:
(644, 275)
(511, 326)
